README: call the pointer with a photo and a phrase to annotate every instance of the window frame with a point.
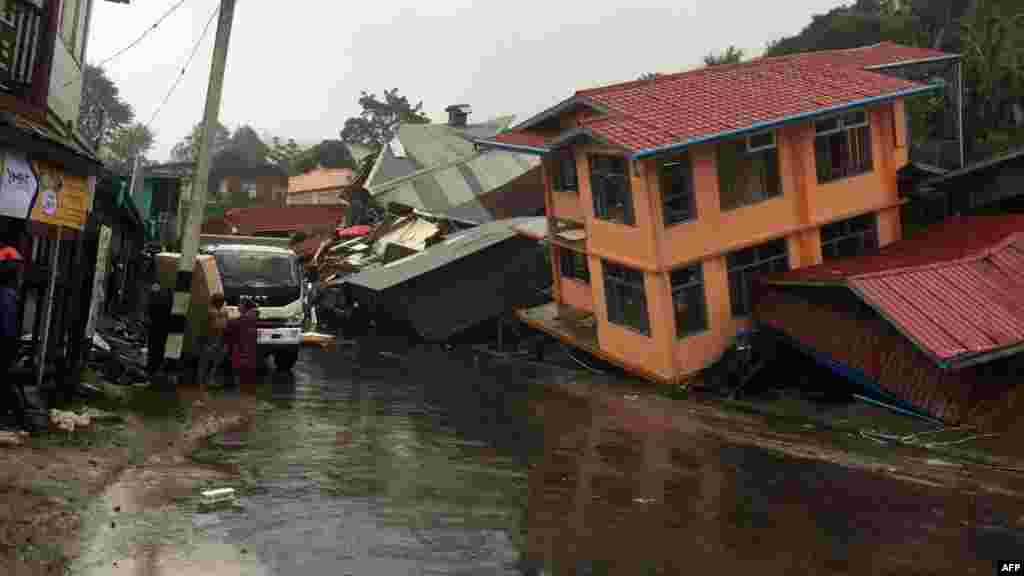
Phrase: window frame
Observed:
(567, 271)
(558, 180)
(598, 189)
(671, 217)
(616, 279)
(844, 127)
(846, 234)
(739, 273)
(749, 151)
(697, 282)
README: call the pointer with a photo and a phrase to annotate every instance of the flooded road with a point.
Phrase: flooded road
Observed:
(429, 467)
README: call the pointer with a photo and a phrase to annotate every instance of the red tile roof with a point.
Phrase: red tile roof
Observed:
(956, 290)
(285, 218)
(716, 101)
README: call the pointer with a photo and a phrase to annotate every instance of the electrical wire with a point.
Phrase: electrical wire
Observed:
(184, 69)
(152, 28)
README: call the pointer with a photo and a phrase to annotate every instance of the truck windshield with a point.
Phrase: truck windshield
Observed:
(257, 269)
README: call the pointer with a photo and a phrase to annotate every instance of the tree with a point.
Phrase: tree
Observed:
(286, 154)
(102, 112)
(249, 145)
(326, 154)
(125, 144)
(187, 150)
(731, 55)
(335, 154)
(993, 40)
(377, 123)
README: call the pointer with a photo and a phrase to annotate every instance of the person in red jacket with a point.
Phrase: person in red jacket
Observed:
(241, 339)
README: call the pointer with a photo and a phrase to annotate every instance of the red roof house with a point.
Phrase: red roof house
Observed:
(665, 196)
(937, 320)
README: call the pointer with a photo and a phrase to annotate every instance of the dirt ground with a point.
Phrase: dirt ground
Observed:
(47, 484)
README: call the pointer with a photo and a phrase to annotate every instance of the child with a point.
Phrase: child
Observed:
(241, 338)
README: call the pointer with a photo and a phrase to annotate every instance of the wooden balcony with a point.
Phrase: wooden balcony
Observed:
(21, 32)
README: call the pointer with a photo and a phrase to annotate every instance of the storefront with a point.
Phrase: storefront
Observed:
(46, 195)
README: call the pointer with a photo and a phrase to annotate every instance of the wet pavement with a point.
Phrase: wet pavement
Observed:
(431, 467)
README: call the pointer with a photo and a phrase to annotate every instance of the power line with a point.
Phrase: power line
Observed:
(135, 43)
(184, 69)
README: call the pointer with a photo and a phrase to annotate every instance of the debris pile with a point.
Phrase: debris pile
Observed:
(358, 248)
(118, 351)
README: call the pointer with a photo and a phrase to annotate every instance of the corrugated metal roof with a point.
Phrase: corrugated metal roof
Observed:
(956, 290)
(443, 173)
(451, 249)
(284, 218)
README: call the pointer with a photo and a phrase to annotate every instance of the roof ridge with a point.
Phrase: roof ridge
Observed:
(752, 61)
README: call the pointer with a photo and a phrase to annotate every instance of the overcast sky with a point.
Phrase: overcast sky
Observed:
(295, 68)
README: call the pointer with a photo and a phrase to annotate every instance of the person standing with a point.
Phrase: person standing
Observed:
(160, 303)
(9, 342)
(241, 337)
(212, 343)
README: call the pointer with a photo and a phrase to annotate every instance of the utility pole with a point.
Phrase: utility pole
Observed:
(197, 206)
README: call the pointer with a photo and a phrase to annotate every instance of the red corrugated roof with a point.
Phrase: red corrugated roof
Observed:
(521, 138)
(688, 106)
(956, 290)
(285, 218)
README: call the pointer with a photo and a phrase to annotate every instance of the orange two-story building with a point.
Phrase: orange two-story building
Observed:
(665, 196)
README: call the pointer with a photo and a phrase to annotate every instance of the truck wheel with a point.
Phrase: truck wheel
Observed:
(284, 361)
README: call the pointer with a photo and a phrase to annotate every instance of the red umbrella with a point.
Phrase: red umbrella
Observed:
(353, 231)
(10, 254)
(10, 258)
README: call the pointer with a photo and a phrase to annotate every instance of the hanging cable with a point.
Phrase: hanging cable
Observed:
(135, 43)
(184, 69)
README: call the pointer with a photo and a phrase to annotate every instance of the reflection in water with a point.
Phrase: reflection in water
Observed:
(615, 495)
(433, 468)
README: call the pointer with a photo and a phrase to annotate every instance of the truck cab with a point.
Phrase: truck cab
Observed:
(272, 277)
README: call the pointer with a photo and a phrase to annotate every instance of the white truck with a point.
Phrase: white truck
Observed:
(272, 277)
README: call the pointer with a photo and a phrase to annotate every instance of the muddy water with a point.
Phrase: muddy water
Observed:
(428, 467)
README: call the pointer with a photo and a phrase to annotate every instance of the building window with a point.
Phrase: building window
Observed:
(679, 204)
(842, 146)
(626, 298)
(748, 170)
(609, 183)
(744, 264)
(688, 300)
(249, 190)
(574, 265)
(849, 237)
(564, 176)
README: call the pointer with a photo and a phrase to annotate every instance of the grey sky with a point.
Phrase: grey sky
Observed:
(296, 68)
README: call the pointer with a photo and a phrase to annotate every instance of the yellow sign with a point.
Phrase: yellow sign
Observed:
(63, 199)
